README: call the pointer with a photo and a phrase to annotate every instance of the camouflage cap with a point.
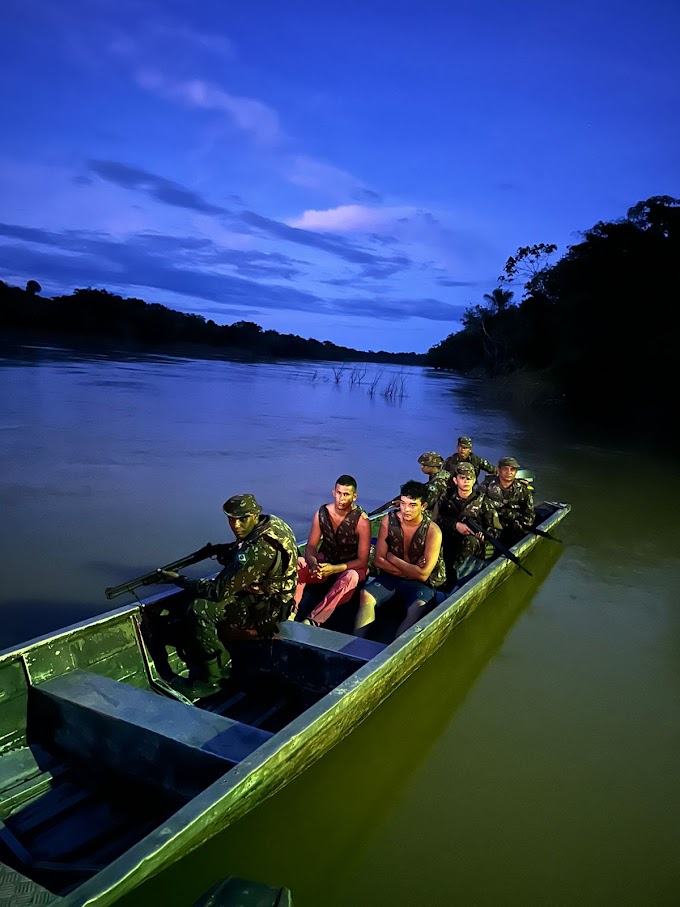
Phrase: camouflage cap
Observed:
(431, 458)
(240, 505)
(465, 441)
(508, 461)
(467, 470)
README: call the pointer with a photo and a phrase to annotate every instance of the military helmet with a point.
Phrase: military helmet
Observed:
(240, 505)
(465, 441)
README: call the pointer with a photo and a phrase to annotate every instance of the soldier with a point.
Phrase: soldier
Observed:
(408, 555)
(464, 551)
(513, 499)
(343, 533)
(250, 595)
(432, 464)
(463, 454)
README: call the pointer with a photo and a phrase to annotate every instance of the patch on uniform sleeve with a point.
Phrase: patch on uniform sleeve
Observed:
(242, 557)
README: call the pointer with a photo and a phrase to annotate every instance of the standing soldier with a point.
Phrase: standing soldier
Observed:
(463, 454)
(251, 594)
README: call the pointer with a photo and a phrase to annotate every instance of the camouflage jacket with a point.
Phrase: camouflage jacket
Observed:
(514, 504)
(479, 463)
(395, 544)
(436, 486)
(264, 563)
(477, 507)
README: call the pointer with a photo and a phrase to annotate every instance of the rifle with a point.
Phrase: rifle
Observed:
(391, 503)
(499, 546)
(544, 535)
(148, 579)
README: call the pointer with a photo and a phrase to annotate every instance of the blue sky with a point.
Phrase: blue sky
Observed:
(350, 171)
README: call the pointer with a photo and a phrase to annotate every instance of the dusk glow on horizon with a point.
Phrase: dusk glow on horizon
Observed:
(354, 172)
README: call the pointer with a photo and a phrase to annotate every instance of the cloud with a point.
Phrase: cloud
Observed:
(247, 114)
(334, 245)
(448, 282)
(309, 173)
(167, 264)
(163, 190)
(351, 219)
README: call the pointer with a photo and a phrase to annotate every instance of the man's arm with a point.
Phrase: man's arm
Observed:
(312, 546)
(381, 552)
(527, 516)
(487, 467)
(422, 570)
(247, 567)
(360, 562)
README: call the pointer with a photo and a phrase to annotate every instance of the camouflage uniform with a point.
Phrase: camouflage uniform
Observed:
(515, 506)
(436, 486)
(253, 592)
(453, 509)
(437, 483)
(478, 463)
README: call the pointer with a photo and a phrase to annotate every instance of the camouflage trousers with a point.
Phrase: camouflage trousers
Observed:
(245, 615)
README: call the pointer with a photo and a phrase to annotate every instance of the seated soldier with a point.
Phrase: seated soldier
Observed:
(336, 553)
(249, 597)
(513, 499)
(408, 555)
(432, 464)
(465, 550)
(463, 454)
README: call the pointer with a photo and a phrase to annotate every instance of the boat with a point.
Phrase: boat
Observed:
(108, 775)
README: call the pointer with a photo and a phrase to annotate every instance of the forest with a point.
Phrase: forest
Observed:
(594, 332)
(96, 316)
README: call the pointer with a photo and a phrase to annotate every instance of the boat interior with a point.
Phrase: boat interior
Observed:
(96, 749)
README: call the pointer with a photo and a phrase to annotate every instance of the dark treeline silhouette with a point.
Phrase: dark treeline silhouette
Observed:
(595, 330)
(98, 315)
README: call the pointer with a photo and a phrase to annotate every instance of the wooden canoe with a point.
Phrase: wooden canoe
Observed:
(107, 777)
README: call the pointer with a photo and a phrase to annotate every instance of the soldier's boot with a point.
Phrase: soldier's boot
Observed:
(205, 682)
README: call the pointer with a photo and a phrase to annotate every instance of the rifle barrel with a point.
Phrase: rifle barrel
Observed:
(499, 546)
(148, 579)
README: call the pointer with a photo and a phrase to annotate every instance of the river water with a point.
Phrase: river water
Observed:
(533, 760)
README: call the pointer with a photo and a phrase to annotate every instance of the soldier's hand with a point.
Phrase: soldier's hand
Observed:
(167, 576)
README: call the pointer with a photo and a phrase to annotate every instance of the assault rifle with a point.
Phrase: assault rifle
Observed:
(499, 546)
(393, 502)
(148, 579)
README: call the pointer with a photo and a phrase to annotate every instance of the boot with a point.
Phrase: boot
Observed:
(207, 682)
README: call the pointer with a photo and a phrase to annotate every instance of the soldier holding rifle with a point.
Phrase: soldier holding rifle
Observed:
(251, 594)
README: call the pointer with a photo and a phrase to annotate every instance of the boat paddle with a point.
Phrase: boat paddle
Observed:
(499, 546)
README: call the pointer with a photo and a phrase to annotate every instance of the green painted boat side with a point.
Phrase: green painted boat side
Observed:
(112, 646)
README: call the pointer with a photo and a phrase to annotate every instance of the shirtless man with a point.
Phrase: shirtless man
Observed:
(336, 552)
(408, 555)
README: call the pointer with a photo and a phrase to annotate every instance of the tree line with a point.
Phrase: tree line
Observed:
(594, 330)
(98, 315)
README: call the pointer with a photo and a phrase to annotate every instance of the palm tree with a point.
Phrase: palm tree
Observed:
(499, 299)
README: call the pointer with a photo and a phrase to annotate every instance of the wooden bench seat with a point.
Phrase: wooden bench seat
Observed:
(135, 733)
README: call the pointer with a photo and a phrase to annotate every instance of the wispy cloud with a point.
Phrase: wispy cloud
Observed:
(163, 190)
(247, 114)
(351, 219)
(161, 263)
